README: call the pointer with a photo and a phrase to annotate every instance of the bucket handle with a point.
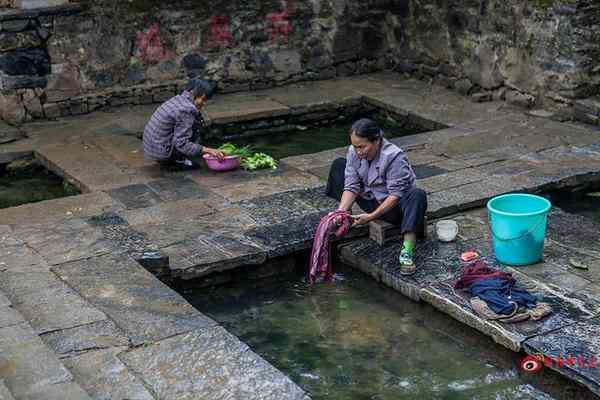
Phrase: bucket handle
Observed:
(521, 236)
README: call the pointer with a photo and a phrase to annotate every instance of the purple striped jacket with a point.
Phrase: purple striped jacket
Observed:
(170, 127)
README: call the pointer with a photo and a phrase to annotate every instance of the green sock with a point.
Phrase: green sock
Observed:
(409, 246)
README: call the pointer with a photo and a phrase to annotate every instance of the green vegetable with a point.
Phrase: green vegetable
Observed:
(249, 161)
(231, 149)
(258, 161)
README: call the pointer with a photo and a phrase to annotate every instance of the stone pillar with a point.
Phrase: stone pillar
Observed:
(33, 4)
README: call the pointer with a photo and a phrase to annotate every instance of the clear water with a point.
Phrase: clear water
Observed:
(355, 339)
(311, 140)
(585, 203)
(28, 182)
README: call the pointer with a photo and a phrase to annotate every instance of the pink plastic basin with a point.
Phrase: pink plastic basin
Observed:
(228, 163)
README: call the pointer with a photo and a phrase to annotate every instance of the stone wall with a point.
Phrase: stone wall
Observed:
(113, 52)
(77, 58)
(537, 52)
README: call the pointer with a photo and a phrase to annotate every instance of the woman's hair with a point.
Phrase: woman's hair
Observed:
(366, 128)
(200, 87)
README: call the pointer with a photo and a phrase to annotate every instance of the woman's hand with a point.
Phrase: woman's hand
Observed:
(214, 152)
(361, 219)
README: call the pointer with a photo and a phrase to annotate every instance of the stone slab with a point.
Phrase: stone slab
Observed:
(168, 232)
(276, 208)
(178, 188)
(58, 209)
(103, 334)
(579, 341)
(293, 235)
(450, 180)
(175, 212)
(64, 241)
(575, 231)
(28, 365)
(126, 149)
(243, 108)
(121, 237)
(310, 95)
(211, 179)
(87, 166)
(142, 307)
(209, 363)
(205, 254)
(46, 302)
(565, 312)
(304, 162)
(135, 196)
(278, 181)
(104, 376)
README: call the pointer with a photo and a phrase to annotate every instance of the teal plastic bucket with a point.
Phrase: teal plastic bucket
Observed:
(518, 225)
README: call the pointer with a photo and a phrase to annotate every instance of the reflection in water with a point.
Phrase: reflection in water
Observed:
(354, 339)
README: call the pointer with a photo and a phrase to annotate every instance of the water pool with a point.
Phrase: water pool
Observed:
(27, 181)
(355, 339)
(312, 140)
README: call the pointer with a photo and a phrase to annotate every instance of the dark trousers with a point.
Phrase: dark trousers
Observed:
(408, 214)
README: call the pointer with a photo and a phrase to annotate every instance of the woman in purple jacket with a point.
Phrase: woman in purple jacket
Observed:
(377, 175)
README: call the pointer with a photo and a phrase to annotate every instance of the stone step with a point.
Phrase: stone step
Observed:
(30, 370)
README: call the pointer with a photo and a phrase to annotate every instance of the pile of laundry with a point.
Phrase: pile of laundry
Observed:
(496, 296)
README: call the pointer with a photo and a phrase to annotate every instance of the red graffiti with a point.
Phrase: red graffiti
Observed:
(279, 26)
(150, 44)
(220, 32)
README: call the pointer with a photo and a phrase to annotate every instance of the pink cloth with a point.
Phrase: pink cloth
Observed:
(337, 223)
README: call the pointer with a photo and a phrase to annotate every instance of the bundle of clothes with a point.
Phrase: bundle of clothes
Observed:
(495, 295)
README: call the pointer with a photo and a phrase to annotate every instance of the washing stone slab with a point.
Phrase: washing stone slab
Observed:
(443, 181)
(566, 312)
(206, 364)
(437, 261)
(104, 376)
(144, 308)
(286, 237)
(277, 208)
(281, 180)
(204, 254)
(173, 231)
(576, 340)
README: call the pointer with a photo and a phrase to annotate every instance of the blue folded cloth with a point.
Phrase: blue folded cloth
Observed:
(502, 296)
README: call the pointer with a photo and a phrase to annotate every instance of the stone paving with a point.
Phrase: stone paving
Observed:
(75, 277)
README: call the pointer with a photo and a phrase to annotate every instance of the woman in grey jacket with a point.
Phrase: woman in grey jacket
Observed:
(377, 175)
